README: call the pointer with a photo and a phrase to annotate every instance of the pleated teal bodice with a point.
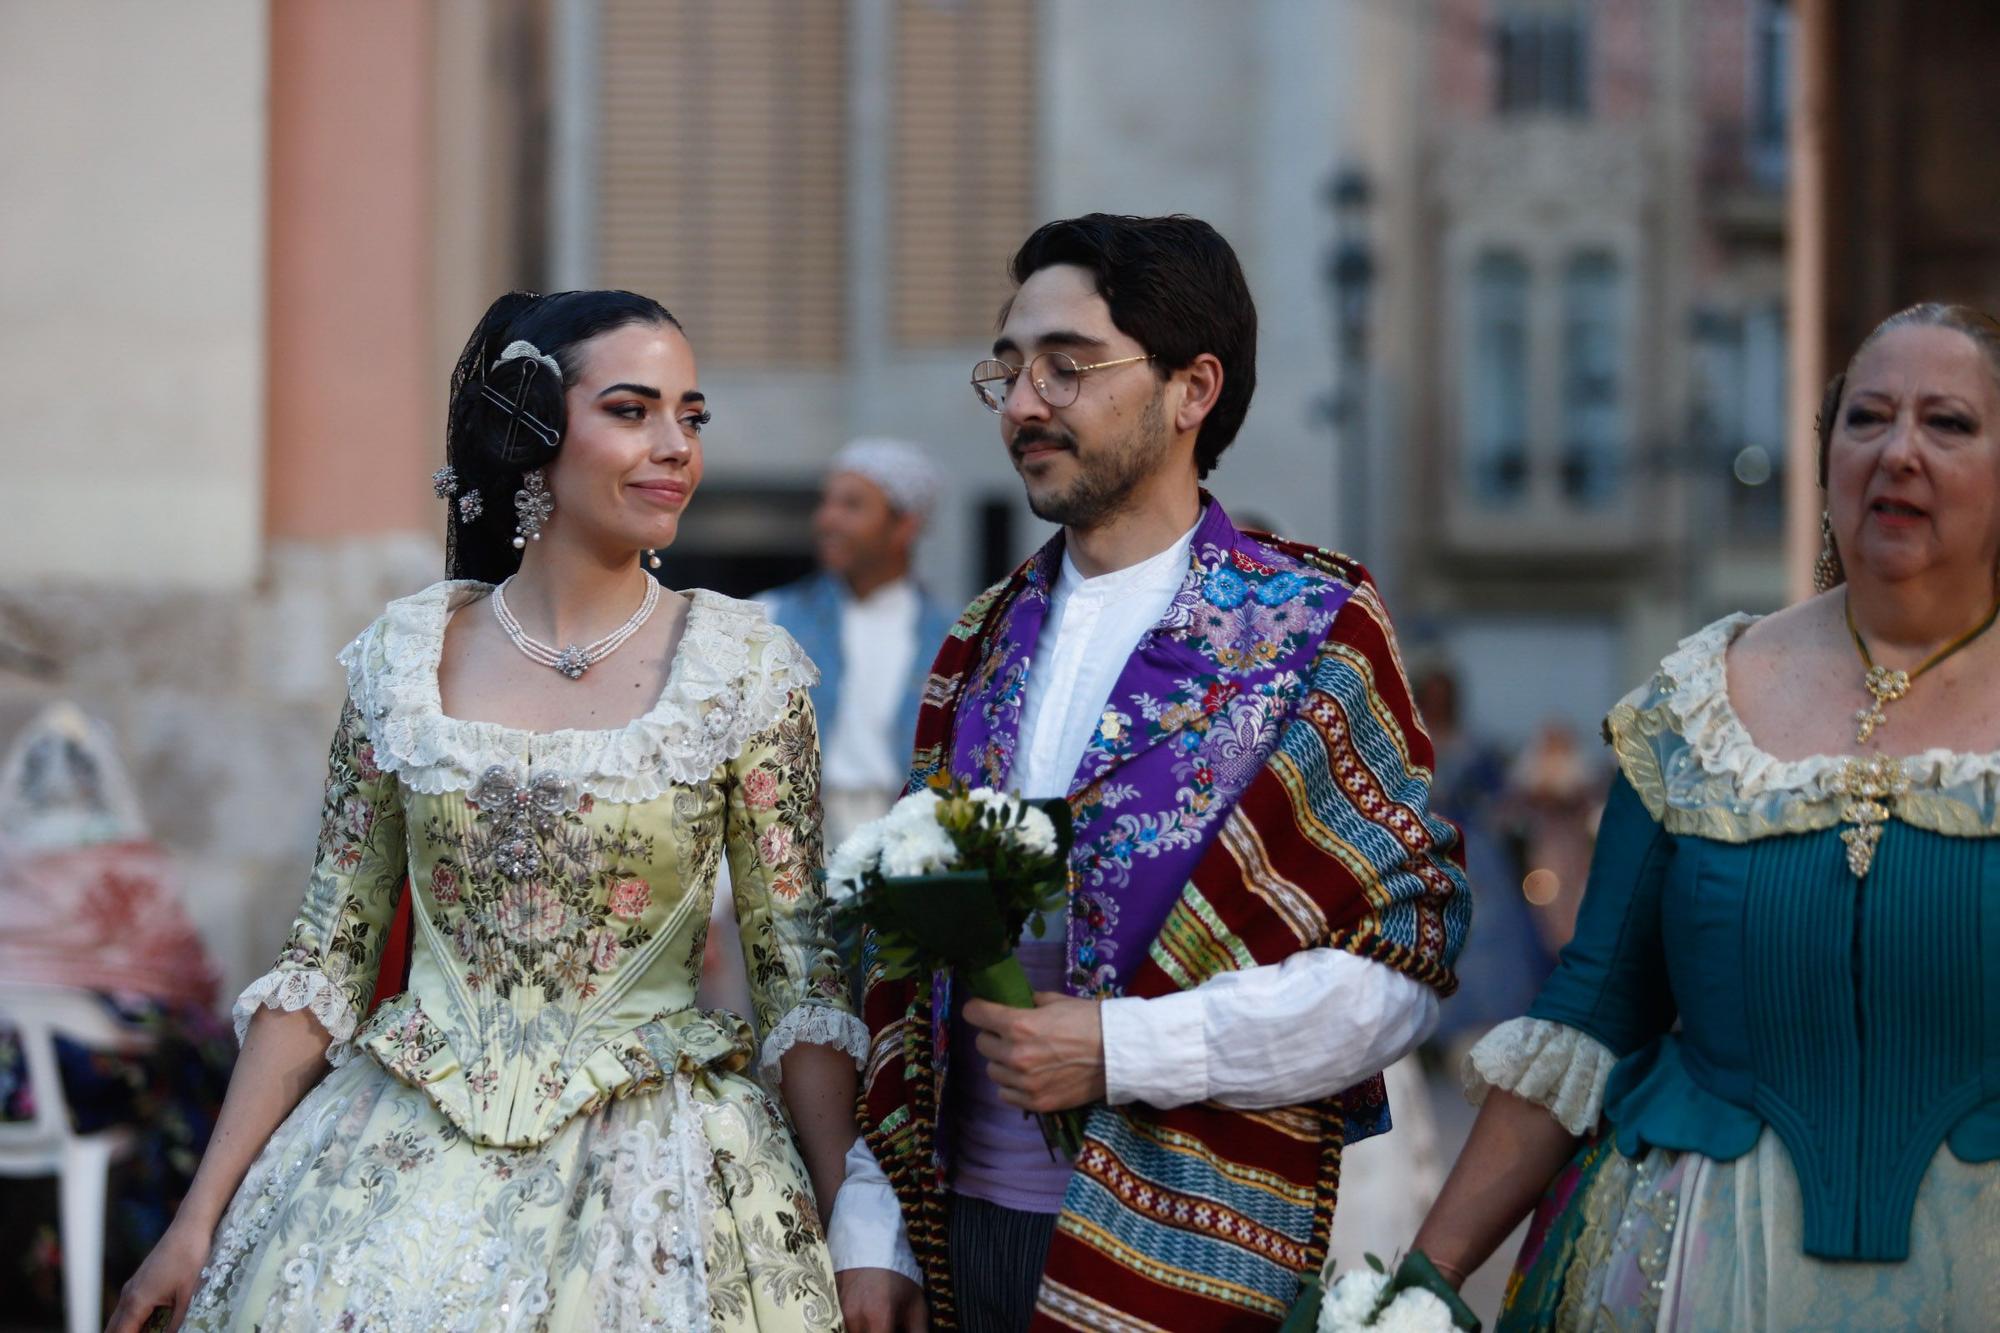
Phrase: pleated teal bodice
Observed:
(1746, 976)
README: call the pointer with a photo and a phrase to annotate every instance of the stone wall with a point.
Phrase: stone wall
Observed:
(223, 703)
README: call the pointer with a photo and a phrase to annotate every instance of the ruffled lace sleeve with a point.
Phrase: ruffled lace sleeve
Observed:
(1550, 1064)
(816, 1025)
(329, 961)
(798, 986)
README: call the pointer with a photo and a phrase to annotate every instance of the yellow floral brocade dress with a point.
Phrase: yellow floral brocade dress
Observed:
(543, 1131)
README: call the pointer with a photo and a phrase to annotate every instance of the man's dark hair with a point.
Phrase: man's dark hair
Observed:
(1174, 286)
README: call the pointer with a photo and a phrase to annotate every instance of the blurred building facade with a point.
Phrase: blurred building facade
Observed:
(1892, 192)
(1548, 288)
(1570, 222)
(237, 295)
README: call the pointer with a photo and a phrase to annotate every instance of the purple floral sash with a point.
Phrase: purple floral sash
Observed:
(1191, 720)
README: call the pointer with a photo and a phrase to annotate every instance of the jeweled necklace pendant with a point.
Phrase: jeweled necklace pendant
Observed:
(1887, 687)
(576, 659)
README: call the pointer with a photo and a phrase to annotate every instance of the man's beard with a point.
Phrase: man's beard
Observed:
(1107, 477)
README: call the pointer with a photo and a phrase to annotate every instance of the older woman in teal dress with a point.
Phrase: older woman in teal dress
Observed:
(543, 1131)
(1782, 1004)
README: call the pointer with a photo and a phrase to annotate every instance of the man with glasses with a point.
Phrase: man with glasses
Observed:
(1262, 910)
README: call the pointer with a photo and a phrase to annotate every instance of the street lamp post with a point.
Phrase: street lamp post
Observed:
(1349, 272)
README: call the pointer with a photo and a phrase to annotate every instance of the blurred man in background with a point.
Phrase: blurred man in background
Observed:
(867, 624)
(872, 631)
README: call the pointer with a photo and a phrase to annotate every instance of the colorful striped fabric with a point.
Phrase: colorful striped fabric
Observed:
(1202, 1216)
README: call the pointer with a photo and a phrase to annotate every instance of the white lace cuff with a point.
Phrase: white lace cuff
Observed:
(817, 1025)
(293, 989)
(1549, 1064)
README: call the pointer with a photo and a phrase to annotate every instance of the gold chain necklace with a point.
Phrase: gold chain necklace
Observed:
(1871, 783)
(1888, 686)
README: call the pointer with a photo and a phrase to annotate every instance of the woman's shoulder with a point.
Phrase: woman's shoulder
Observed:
(1676, 738)
(736, 638)
(400, 648)
(1694, 676)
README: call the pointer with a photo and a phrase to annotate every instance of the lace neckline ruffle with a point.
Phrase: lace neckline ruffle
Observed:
(730, 678)
(1693, 686)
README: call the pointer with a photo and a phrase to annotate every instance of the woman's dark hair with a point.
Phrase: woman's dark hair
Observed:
(1974, 323)
(506, 417)
(1174, 287)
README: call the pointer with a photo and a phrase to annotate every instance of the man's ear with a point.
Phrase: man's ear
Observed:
(1203, 378)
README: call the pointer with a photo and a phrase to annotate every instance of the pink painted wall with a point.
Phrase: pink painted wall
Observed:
(349, 393)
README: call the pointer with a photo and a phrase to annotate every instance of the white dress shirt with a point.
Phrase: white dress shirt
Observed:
(1277, 1035)
(865, 749)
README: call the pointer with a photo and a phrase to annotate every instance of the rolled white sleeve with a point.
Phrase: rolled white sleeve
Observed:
(866, 1228)
(1277, 1035)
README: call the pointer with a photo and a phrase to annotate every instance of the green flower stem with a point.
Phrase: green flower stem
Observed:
(1006, 982)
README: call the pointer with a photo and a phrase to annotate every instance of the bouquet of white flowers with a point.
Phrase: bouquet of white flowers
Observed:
(949, 878)
(1416, 1300)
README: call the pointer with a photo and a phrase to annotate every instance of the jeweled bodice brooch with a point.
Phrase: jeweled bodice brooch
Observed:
(520, 811)
(1869, 785)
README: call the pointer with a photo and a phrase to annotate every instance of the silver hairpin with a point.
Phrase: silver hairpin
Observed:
(520, 348)
(443, 482)
(470, 506)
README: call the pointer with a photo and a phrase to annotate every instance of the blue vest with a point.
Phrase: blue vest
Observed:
(810, 611)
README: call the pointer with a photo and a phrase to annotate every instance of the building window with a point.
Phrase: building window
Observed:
(1771, 34)
(721, 161)
(1740, 363)
(964, 164)
(1496, 404)
(1541, 56)
(1593, 399)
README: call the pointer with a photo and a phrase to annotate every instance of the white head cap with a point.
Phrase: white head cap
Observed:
(903, 470)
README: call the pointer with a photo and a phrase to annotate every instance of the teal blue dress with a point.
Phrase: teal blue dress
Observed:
(1794, 1046)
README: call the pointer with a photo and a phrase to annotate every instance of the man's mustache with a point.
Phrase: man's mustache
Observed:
(1032, 435)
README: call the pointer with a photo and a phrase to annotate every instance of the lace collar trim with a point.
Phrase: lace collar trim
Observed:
(1693, 687)
(730, 678)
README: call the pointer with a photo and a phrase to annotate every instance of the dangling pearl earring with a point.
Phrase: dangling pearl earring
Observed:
(652, 559)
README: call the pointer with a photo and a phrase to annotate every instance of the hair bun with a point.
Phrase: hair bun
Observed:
(515, 420)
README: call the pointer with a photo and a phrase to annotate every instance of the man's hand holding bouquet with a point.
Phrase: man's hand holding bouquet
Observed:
(949, 879)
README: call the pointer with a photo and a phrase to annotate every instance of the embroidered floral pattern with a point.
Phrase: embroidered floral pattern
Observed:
(516, 1153)
(683, 1208)
(1188, 725)
(586, 900)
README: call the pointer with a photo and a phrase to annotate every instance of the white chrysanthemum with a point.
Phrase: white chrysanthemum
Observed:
(1037, 832)
(918, 848)
(850, 863)
(1350, 1302)
(1415, 1311)
(916, 809)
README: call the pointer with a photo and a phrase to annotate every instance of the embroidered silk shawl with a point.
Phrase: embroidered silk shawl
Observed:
(1257, 785)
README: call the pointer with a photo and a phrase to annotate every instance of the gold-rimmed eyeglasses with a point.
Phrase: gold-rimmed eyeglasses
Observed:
(1056, 377)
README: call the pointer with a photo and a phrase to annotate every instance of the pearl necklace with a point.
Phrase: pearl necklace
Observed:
(573, 661)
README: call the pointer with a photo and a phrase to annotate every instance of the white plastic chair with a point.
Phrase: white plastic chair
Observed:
(50, 1146)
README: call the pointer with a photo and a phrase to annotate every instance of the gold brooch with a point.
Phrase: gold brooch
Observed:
(1870, 784)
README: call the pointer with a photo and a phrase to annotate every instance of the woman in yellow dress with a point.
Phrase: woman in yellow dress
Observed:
(543, 1131)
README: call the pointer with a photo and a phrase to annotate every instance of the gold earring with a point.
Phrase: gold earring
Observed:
(1827, 573)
